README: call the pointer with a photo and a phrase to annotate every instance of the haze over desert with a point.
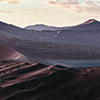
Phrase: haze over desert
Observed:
(49, 63)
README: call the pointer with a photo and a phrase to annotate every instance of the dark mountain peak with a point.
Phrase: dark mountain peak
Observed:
(2, 22)
(89, 21)
(37, 25)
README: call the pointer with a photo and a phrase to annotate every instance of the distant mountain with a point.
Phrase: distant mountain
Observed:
(45, 43)
(41, 27)
(89, 21)
(90, 24)
(73, 35)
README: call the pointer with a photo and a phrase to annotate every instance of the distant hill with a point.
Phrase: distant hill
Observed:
(41, 27)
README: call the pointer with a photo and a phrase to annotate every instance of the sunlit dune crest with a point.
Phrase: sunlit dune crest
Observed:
(9, 54)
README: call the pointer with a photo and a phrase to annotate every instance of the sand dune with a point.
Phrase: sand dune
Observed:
(21, 80)
(41, 27)
(7, 54)
(24, 81)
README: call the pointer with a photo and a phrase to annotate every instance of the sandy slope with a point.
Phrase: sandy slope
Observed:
(24, 81)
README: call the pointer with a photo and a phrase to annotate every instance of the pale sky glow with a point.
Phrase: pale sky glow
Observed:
(49, 12)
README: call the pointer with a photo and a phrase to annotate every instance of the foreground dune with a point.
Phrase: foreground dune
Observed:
(25, 81)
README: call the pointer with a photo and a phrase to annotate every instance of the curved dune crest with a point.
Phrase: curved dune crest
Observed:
(11, 55)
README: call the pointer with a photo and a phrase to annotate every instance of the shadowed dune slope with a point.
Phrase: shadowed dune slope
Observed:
(24, 81)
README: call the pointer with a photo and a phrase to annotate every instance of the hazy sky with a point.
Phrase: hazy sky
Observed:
(49, 12)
